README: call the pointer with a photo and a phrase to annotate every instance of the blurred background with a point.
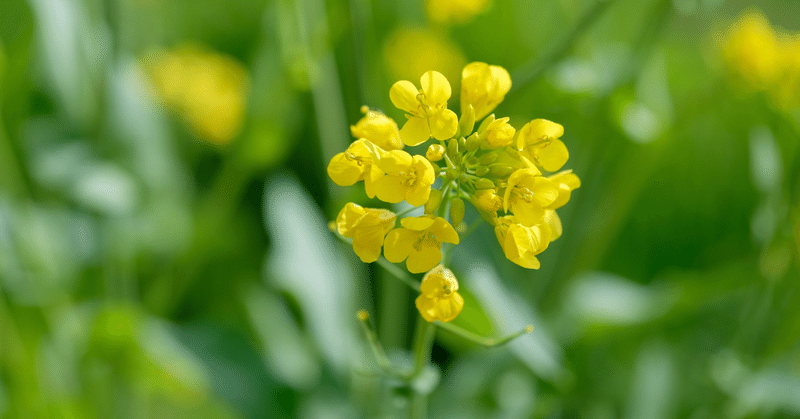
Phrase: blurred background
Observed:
(164, 249)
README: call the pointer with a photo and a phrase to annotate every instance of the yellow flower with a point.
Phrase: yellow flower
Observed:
(439, 298)
(419, 242)
(460, 11)
(367, 227)
(378, 129)
(483, 86)
(567, 182)
(207, 89)
(406, 178)
(539, 142)
(552, 219)
(528, 194)
(427, 109)
(752, 49)
(521, 243)
(487, 202)
(357, 163)
(499, 133)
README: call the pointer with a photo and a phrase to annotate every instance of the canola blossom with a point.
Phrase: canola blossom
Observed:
(513, 178)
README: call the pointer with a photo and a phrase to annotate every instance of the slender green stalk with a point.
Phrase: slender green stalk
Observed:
(398, 273)
(377, 349)
(423, 342)
(535, 66)
(480, 340)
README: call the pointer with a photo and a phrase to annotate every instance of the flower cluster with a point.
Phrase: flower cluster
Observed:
(510, 176)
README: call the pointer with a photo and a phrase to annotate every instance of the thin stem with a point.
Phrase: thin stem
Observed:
(405, 211)
(535, 66)
(377, 349)
(480, 340)
(398, 273)
(423, 342)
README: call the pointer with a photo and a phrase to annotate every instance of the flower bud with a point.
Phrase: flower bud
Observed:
(456, 211)
(452, 148)
(489, 119)
(482, 171)
(499, 134)
(487, 159)
(467, 122)
(434, 200)
(473, 142)
(484, 183)
(435, 152)
(500, 170)
(472, 161)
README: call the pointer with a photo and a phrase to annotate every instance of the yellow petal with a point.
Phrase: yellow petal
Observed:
(447, 309)
(443, 231)
(399, 244)
(394, 162)
(527, 213)
(425, 306)
(417, 223)
(418, 194)
(372, 176)
(553, 156)
(542, 128)
(379, 129)
(436, 89)
(348, 218)
(390, 189)
(444, 124)
(424, 259)
(425, 171)
(554, 221)
(404, 96)
(545, 191)
(344, 171)
(367, 243)
(415, 131)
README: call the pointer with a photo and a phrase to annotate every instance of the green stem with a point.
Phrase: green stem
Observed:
(480, 340)
(398, 273)
(377, 349)
(405, 211)
(423, 342)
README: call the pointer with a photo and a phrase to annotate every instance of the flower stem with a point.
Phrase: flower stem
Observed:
(398, 273)
(480, 340)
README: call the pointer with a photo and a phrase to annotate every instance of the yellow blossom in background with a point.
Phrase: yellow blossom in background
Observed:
(427, 108)
(522, 243)
(528, 194)
(406, 178)
(766, 59)
(367, 226)
(378, 128)
(207, 89)
(539, 142)
(483, 86)
(439, 298)
(458, 11)
(355, 164)
(752, 48)
(409, 53)
(419, 242)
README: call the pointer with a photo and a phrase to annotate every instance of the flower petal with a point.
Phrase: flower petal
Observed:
(404, 96)
(436, 88)
(399, 243)
(367, 243)
(444, 124)
(348, 218)
(553, 156)
(424, 259)
(415, 131)
(444, 232)
(390, 189)
(417, 223)
(344, 171)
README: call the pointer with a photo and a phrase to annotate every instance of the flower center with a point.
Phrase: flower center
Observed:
(426, 240)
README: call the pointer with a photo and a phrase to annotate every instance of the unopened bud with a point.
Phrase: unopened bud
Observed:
(434, 200)
(487, 159)
(472, 161)
(452, 148)
(473, 142)
(452, 174)
(500, 170)
(485, 124)
(467, 122)
(484, 183)
(456, 211)
(435, 152)
(462, 144)
(482, 171)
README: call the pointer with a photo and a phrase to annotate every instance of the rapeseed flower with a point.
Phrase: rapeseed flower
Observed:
(512, 177)
(426, 108)
(378, 128)
(355, 164)
(459, 11)
(439, 298)
(405, 178)
(419, 242)
(367, 227)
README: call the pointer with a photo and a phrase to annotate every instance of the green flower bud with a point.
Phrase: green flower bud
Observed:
(434, 200)
(467, 122)
(482, 171)
(484, 183)
(473, 142)
(500, 170)
(456, 211)
(485, 124)
(435, 152)
(487, 159)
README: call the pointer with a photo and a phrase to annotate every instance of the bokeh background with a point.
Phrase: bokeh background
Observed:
(164, 249)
